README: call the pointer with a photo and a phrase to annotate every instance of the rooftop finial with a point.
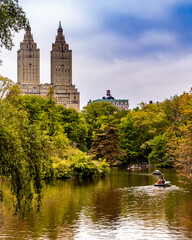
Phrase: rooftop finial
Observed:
(59, 24)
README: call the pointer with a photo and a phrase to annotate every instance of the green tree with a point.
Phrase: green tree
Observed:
(139, 128)
(180, 145)
(23, 149)
(50, 117)
(22, 155)
(96, 114)
(34, 105)
(106, 144)
(130, 139)
(12, 19)
(5, 84)
(160, 156)
(74, 126)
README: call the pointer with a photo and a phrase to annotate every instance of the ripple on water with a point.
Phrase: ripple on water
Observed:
(126, 229)
(150, 190)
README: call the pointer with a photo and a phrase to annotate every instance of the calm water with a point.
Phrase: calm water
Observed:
(124, 205)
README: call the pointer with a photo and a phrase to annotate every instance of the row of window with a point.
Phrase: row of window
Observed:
(61, 54)
(62, 83)
(27, 65)
(29, 45)
(119, 103)
(30, 70)
(62, 70)
(30, 82)
(62, 48)
(26, 55)
(123, 108)
(66, 77)
(29, 74)
(62, 66)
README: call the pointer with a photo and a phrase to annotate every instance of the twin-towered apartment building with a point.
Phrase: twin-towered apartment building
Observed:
(28, 70)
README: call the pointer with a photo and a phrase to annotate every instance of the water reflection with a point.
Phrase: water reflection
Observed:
(123, 205)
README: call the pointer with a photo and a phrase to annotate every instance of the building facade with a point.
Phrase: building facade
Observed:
(61, 72)
(28, 70)
(28, 65)
(121, 104)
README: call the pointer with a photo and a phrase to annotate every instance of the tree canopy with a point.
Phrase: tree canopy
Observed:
(12, 19)
(106, 144)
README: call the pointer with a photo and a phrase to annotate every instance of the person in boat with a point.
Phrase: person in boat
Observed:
(159, 181)
(163, 180)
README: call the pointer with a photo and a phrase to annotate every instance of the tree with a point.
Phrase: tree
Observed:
(96, 114)
(106, 144)
(74, 126)
(34, 106)
(23, 151)
(139, 128)
(181, 142)
(130, 139)
(160, 155)
(5, 84)
(12, 19)
(181, 151)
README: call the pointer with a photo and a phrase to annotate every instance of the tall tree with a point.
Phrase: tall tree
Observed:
(181, 142)
(139, 128)
(106, 144)
(23, 150)
(96, 114)
(75, 126)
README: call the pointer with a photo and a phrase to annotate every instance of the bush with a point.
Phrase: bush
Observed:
(83, 166)
(78, 165)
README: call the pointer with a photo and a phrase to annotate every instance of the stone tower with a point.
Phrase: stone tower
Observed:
(61, 72)
(61, 60)
(28, 62)
(28, 70)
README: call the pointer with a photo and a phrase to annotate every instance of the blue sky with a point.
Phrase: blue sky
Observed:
(140, 50)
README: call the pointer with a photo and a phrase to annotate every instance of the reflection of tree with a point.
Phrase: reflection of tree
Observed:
(178, 211)
(106, 204)
(186, 211)
(60, 210)
(62, 206)
(140, 202)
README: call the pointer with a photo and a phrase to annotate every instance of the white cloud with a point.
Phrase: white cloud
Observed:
(80, 16)
(157, 38)
(44, 15)
(109, 45)
(147, 9)
(137, 80)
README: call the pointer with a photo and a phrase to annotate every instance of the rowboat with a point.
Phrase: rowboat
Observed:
(166, 184)
(156, 172)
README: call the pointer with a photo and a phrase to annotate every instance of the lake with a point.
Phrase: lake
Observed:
(123, 205)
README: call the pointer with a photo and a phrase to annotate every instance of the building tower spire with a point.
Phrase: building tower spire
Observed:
(28, 62)
(61, 72)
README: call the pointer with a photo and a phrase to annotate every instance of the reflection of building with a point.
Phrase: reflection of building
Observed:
(28, 70)
(120, 103)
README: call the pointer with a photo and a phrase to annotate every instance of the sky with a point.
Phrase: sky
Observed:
(140, 50)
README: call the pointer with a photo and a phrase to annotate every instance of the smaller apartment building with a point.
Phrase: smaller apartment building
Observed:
(121, 104)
